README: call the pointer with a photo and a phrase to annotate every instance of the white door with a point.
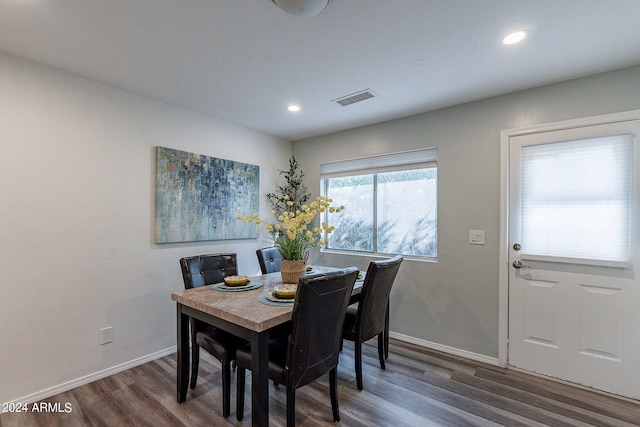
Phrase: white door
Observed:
(574, 257)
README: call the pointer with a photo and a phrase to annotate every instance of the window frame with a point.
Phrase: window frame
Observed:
(425, 158)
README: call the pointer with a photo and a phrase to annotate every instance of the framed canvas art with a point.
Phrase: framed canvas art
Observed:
(199, 197)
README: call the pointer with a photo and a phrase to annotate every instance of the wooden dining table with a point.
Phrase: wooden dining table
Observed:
(241, 314)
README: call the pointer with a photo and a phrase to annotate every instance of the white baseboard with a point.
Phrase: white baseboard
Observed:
(69, 385)
(446, 349)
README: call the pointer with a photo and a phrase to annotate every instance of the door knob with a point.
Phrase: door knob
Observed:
(518, 264)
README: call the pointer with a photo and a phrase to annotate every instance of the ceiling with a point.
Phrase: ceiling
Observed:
(244, 61)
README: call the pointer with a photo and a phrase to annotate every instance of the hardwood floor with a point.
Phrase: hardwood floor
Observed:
(419, 388)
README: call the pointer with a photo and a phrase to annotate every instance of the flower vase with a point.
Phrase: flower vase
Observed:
(292, 270)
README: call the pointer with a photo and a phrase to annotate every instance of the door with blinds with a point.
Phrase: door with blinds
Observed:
(574, 284)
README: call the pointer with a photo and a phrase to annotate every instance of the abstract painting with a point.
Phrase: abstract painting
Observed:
(199, 197)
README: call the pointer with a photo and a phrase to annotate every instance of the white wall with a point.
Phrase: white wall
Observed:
(453, 304)
(76, 222)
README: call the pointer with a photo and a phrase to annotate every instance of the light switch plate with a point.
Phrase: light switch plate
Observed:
(476, 237)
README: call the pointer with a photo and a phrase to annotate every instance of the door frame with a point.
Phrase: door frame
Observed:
(503, 274)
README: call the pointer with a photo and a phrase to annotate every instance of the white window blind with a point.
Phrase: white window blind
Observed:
(414, 159)
(576, 200)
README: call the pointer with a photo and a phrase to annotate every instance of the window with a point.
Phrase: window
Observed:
(390, 201)
(576, 200)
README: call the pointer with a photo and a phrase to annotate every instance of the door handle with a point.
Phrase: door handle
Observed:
(518, 264)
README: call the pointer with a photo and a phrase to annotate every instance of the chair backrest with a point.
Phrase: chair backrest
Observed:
(203, 270)
(374, 298)
(317, 319)
(270, 260)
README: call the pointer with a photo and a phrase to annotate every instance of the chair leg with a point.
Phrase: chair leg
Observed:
(381, 350)
(358, 362)
(226, 388)
(195, 362)
(240, 393)
(386, 333)
(291, 407)
(333, 389)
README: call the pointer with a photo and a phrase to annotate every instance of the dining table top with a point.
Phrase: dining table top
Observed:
(243, 308)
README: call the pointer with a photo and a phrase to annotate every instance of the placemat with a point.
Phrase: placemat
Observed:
(224, 288)
(263, 299)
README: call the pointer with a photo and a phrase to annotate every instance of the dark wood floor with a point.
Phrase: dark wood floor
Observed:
(418, 388)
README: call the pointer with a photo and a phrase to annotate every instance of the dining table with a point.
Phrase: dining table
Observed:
(246, 314)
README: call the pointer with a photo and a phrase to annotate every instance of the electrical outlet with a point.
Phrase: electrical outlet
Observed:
(106, 335)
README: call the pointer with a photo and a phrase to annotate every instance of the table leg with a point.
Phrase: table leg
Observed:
(182, 354)
(260, 379)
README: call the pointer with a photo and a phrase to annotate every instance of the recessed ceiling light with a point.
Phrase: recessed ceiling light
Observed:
(293, 108)
(515, 37)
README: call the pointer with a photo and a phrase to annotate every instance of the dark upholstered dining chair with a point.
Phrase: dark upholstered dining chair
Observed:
(270, 259)
(369, 317)
(313, 347)
(204, 270)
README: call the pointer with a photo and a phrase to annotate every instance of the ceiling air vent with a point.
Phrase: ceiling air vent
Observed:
(355, 97)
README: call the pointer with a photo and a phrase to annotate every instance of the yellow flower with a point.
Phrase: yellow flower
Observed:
(293, 231)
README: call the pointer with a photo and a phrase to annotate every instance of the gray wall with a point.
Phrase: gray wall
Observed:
(453, 303)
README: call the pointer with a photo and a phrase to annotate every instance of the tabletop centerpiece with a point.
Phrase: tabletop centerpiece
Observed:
(294, 232)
